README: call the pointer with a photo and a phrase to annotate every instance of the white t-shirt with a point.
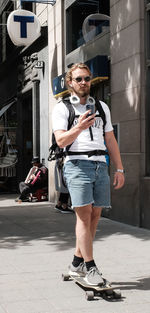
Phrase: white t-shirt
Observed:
(83, 142)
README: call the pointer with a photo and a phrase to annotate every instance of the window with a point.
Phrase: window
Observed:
(76, 15)
(27, 6)
(7, 47)
(101, 91)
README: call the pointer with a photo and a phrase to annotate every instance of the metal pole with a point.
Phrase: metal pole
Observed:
(36, 118)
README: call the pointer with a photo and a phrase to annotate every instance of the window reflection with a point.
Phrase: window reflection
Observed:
(84, 21)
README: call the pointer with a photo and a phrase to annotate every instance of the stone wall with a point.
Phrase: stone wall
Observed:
(127, 98)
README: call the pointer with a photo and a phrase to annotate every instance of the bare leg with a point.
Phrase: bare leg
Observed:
(87, 220)
(96, 214)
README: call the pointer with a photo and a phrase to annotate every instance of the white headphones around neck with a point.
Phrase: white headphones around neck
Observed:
(90, 100)
(76, 100)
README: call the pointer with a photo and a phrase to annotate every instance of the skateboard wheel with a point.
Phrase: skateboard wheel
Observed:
(117, 294)
(89, 295)
(65, 277)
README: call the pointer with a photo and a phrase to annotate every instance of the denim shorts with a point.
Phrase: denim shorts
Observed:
(88, 182)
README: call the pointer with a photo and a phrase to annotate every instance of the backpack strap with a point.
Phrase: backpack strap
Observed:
(71, 116)
(88, 153)
(101, 113)
(71, 111)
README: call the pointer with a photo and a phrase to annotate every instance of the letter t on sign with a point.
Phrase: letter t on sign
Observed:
(23, 23)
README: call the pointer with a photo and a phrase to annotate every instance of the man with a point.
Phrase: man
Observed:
(86, 175)
(37, 178)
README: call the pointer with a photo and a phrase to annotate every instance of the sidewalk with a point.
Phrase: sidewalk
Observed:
(36, 246)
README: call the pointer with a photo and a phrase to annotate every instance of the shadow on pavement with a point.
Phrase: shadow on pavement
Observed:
(142, 283)
(22, 224)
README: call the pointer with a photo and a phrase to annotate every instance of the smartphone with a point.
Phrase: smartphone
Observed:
(90, 107)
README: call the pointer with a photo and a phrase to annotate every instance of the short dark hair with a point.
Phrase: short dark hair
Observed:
(35, 159)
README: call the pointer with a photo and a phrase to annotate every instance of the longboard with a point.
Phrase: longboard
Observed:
(107, 291)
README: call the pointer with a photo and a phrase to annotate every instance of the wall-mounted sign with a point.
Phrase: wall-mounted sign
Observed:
(52, 2)
(23, 27)
(59, 88)
(94, 24)
(39, 64)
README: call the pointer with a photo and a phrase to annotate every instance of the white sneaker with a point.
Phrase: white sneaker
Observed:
(94, 277)
(79, 270)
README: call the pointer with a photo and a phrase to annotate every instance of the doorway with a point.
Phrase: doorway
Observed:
(24, 135)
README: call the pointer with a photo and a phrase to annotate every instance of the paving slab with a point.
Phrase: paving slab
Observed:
(36, 247)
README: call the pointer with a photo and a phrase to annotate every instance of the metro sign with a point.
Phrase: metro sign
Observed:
(23, 27)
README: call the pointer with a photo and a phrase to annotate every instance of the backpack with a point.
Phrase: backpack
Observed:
(55, 152)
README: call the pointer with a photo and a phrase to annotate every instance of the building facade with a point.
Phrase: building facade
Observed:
(112, 38)
(123, 41)
(24, 84)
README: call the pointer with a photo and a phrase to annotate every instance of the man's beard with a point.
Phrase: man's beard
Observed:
(82, 93)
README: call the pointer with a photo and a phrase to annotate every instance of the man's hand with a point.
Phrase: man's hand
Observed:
(67, 137)
(119, 180)
(32, 176)
(85, 122)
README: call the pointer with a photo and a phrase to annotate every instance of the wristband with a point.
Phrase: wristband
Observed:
(120, 171)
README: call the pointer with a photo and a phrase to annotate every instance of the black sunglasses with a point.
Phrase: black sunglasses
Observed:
(79, 79)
